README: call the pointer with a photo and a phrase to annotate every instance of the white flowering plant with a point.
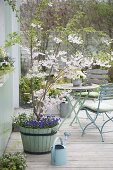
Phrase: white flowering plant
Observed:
(13, 161)
(78, 75)
(6, 63)
(53, 65)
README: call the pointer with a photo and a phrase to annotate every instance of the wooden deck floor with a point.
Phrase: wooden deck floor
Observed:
(83, 153)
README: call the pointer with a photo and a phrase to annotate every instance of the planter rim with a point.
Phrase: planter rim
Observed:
(39, 134)
(38, 128)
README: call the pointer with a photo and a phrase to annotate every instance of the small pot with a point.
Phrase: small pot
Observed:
(77, 82)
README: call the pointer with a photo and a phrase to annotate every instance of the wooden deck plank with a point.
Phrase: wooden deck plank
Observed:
(83, 152)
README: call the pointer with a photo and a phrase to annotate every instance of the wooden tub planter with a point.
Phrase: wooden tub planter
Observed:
(38, 141)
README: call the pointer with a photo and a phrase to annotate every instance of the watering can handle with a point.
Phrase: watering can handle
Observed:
(58, 138)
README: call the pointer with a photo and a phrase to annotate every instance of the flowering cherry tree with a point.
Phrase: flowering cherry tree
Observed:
(56, 61)
(53, 65)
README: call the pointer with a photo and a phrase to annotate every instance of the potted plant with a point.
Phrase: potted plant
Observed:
(37, 134)
(14, 161)
(6, 62)
(38, 130)
(6, 65)
(78, 77)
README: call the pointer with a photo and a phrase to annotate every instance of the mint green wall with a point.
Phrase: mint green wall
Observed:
(6, 91)
(9, 92)
(6, 110)
(8, 23)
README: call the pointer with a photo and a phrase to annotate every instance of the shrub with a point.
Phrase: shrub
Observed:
(25, 88)
(54, 92)
(15, 161)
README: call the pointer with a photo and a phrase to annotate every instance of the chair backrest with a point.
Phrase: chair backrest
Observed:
(97, 76)
(106, 92)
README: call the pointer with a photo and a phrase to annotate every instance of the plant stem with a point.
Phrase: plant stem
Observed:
(31, 80)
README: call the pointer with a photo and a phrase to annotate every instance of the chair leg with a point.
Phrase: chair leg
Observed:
(76, 113)
(110, 119)
(92, 122)
(77, 119)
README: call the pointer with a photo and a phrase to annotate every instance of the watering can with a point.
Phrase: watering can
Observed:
(58, 153)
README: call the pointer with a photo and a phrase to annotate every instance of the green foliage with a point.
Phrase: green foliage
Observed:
(6, 65)
(15, 161)
(21, 119)
(102, 56)
(5, 70)
(89, 29)
(64, 80)
(11, 3)
(25, 88)
(105, 10)
(37, 83)
(13, 38)
(54, 92)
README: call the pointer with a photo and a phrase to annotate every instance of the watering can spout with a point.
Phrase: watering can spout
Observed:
(66, 135)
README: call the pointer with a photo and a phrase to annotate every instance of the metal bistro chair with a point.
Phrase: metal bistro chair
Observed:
(99, 107)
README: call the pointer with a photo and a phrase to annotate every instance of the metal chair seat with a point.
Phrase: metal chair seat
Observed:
(104, 107)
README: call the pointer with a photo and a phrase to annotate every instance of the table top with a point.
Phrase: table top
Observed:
(69, 86)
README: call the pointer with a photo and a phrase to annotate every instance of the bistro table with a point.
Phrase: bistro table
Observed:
(76, 93)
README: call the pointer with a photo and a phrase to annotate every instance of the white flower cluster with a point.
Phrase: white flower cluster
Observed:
(56, 62)
(57, 40)
(50, 102)
(3, 52)
(38, 26)
(102, 63)
(73, 38)
(50, 4)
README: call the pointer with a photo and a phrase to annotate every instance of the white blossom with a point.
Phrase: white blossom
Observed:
(39, 26)
(73, 38)
(38, 44)
(50, 4)
(63, 59)
(3, 52)
(33, 25)
(60, 53)
(57, 40)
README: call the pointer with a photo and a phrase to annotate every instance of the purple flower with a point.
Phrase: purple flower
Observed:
(44, 122)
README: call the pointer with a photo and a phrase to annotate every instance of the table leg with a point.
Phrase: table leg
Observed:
(81, 101)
